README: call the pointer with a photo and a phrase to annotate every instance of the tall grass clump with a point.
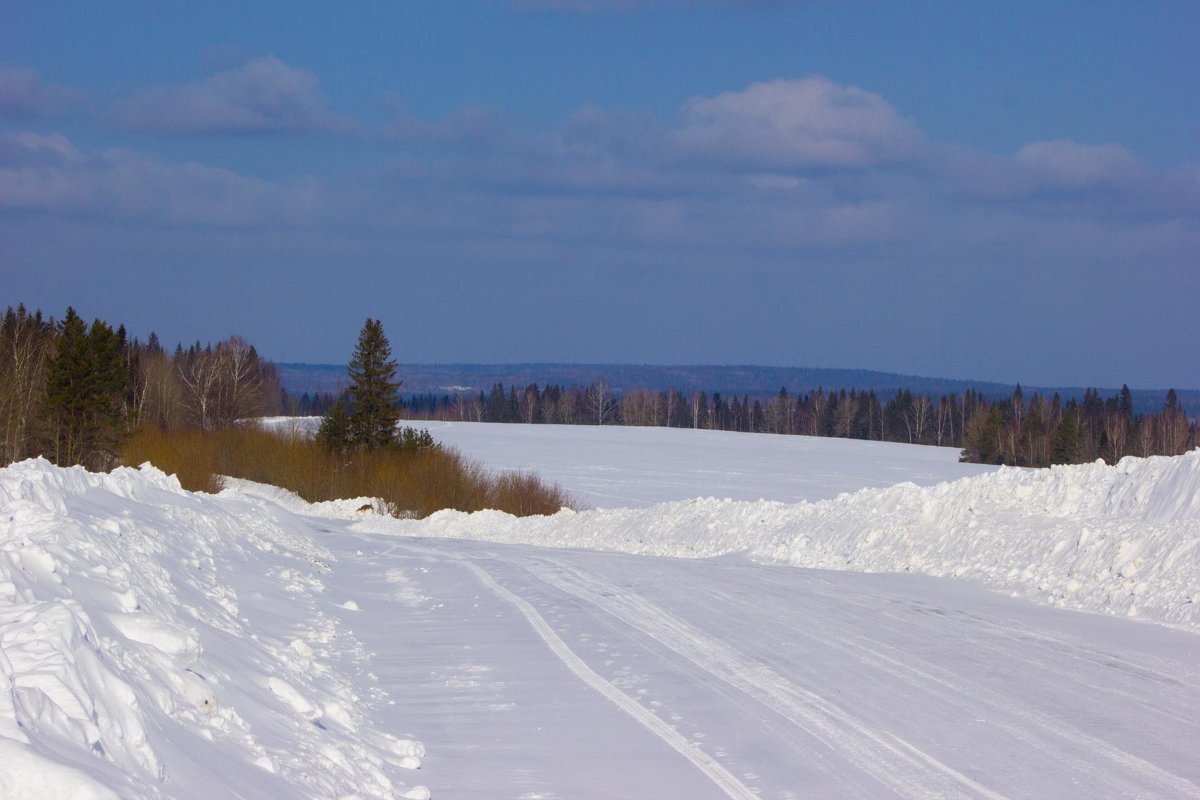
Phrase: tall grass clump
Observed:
(410, 483)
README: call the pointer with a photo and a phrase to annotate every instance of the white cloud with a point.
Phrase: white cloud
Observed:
(797, 124)
(23, 94)
(47, 173)
(1064, 163)
(468, 124)
(264, 95)
(23, 146)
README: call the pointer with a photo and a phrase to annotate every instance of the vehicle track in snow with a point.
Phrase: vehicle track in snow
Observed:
(1075, 672)
(784, 683)
(891, 760)
(719, 775)
(1072, 756)
(1078, 757)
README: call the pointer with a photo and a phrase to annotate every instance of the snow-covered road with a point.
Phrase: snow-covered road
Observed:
(156, 643)
(539, 673)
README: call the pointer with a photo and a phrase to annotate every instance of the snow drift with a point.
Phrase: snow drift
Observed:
(158, 643)
(1121, 539)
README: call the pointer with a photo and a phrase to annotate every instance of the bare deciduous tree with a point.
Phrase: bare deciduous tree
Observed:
(845, 416)
(26, 341)
(601, 405)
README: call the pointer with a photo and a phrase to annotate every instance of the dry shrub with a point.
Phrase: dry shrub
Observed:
(524, 495)
(189, 455)
(409, 484)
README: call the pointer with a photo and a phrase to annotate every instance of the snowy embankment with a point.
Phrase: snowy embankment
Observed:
(1123, 539)
(159, 643)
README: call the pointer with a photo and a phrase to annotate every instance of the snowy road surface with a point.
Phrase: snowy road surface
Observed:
(540, 673)
(156, 643)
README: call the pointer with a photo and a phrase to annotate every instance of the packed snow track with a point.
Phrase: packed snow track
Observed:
(607, 675)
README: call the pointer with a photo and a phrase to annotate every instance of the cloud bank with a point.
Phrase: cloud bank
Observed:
(777, 165)
(800, 198)
(264, 95)
(24, 95)
(797, 124)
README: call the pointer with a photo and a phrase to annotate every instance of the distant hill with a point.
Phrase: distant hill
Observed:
(755, 381)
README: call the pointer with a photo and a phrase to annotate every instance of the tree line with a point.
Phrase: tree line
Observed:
(73, 392)
(1031, 431)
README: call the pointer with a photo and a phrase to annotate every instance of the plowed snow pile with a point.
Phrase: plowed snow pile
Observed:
(1123, 539)
(158, 643)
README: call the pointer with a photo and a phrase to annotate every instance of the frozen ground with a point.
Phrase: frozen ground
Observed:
(157, 643)
(611, 467)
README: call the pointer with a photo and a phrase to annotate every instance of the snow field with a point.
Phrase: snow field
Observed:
(156, 643)
(625, 467)
(1121, 539)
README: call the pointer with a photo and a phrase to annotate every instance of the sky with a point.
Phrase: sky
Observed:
(974, 190)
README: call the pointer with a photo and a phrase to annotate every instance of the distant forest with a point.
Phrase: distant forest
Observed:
(1034, 431)
(73, 392)
(756, 381)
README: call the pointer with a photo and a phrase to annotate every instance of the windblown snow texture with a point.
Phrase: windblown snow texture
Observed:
(158, 643)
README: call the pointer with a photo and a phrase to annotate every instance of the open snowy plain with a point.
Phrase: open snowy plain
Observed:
(157, 643)
(619, 467)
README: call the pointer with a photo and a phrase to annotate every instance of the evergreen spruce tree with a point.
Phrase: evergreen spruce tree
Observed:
(85, 386)
(981, 439)
(67, 389)
(1126, 402)
(334, 431)
(373, 411)
(497, 405)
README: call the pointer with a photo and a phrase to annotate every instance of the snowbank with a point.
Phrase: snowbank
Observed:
(158, 643)
(1123, 539)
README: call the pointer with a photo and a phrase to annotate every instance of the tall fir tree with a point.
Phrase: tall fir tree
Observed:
(85, 386)
(373, 388)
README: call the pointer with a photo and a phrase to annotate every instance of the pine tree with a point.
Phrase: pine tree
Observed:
(373, 388)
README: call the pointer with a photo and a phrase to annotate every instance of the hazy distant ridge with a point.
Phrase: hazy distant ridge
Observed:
(299, 378)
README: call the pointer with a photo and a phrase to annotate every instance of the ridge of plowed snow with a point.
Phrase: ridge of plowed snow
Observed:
(159, 643)
(1121, 539)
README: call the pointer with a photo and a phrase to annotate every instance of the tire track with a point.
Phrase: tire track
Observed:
(1036, 729)
(723, 778)
(892, 761)
(1071, 745)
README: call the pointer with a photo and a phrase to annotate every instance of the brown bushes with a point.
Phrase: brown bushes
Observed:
(409, 484)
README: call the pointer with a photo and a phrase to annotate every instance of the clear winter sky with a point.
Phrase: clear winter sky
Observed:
(987, 190)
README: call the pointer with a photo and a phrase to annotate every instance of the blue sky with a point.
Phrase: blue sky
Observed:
(1002, 191)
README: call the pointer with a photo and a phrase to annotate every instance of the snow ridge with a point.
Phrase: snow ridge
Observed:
(158, 643)
(1121, 539)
